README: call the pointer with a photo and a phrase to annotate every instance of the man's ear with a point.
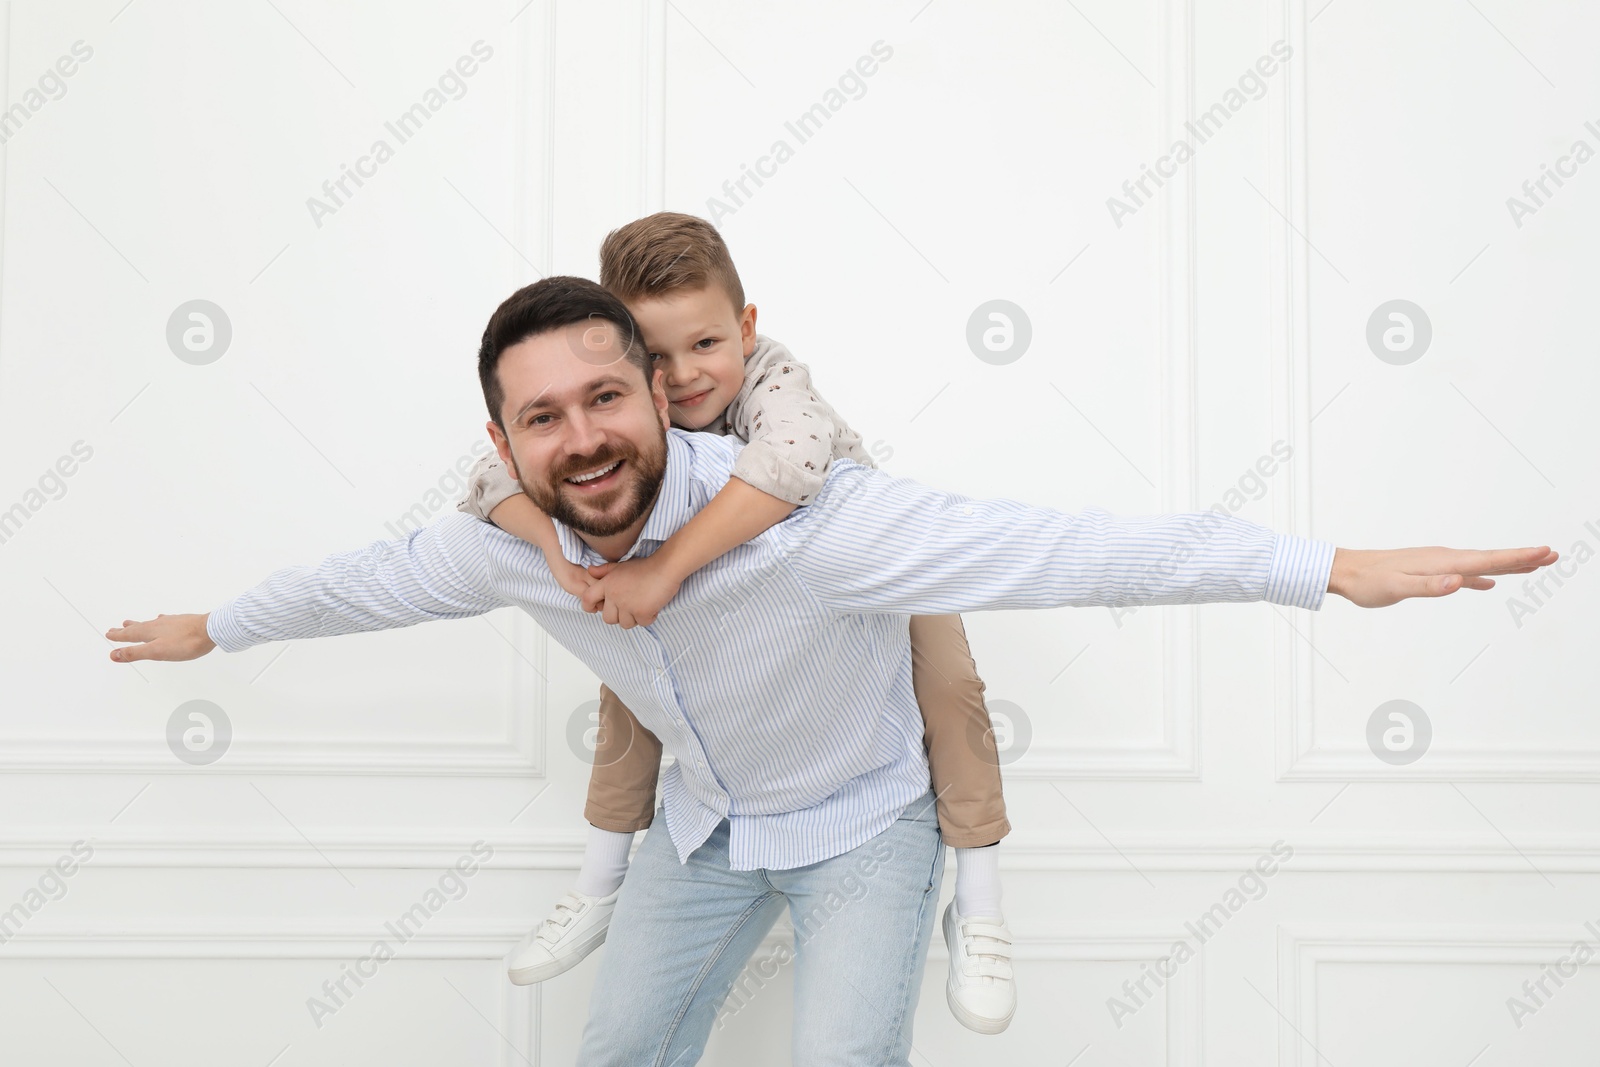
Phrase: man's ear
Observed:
(658, 396)
(503, 446)
(747, 329)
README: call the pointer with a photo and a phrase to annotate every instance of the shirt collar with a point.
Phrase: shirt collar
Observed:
(670, 511)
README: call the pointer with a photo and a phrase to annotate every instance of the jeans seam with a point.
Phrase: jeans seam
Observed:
(896, 1032)
(706, 968)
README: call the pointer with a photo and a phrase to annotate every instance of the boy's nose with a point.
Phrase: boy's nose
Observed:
(675, 372)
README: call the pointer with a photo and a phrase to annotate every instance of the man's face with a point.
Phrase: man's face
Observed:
(574, 408)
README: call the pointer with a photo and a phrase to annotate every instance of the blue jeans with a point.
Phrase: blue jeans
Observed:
(682, 934)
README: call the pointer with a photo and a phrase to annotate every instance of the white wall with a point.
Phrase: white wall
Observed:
(1211, 349)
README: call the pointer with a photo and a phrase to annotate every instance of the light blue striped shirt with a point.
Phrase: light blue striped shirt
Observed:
(779, 677)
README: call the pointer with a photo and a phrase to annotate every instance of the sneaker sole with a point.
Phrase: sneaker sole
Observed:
(545, 971)
(977, 1023)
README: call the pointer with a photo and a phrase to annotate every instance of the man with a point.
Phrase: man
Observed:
(779, 677)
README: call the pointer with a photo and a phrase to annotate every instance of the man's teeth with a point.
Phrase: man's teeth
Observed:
(601, 473)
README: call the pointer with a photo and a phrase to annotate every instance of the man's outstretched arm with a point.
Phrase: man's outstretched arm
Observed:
(438, 572)
(873, 542)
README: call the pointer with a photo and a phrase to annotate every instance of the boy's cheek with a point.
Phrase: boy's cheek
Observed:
(733, 376)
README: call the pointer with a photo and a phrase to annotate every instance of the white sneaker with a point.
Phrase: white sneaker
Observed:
(980, 989)
(576, 928)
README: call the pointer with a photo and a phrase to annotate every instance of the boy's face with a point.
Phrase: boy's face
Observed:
(699, 343)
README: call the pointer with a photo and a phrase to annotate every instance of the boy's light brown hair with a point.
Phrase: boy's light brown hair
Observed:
(665, 253)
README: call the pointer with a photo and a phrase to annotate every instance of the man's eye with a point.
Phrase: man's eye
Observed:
(609, 392)
(535, 420)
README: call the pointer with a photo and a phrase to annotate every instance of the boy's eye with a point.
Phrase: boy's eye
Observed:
(704, 341)
(654, 356)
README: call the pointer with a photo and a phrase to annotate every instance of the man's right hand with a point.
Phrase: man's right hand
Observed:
(163, 637)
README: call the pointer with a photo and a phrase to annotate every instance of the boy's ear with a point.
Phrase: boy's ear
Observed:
(747, 328)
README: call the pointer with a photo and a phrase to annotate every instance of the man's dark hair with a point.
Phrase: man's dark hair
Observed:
(551, 304)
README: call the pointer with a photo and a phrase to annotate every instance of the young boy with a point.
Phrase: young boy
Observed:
(678, 280)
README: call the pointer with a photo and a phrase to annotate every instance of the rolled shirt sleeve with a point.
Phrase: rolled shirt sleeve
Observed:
(873, 542)
(438, 572)
(489, 484)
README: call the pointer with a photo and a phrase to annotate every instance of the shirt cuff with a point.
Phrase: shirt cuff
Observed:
(760, 465)
(491, 485)
(1298, 575)
(224, 629)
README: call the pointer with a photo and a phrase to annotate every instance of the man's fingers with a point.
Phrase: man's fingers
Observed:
(1522, 570)
(130, 631)
(1494, 561)
(1375, 579)
(1517, 561)
(1400, 587)
(1445, 584)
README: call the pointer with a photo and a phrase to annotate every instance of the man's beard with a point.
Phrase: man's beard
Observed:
(642, 472)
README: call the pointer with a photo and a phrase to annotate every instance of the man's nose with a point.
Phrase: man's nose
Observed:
(583, 435)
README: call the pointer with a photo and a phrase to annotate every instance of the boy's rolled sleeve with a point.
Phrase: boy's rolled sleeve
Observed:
(489, 485)
(774, 471)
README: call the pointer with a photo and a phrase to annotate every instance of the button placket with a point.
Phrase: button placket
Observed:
(667, 690)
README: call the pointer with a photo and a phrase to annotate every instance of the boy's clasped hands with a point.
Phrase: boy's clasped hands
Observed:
(628, 593)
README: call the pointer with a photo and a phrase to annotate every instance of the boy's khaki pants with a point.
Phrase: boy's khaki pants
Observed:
(957, 733)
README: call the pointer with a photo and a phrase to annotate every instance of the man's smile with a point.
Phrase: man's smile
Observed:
(597, 479)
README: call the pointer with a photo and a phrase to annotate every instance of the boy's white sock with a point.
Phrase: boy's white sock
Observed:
(605, 862)
(978, 882)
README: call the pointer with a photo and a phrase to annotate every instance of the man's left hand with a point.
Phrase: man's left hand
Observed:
(1376, 578)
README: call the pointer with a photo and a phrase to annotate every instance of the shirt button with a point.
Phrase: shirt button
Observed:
(966, 510)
